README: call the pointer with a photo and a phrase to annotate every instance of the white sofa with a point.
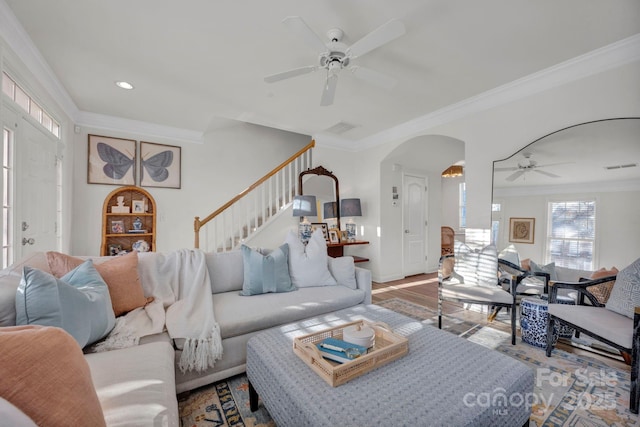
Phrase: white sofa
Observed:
(138, 385)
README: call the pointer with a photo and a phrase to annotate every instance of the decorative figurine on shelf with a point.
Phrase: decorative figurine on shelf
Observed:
(140, 246)
(120, 207)
(137, 224)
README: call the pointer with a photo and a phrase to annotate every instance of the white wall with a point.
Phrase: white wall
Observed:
(494, 134)
(233, 156)
(617, 225)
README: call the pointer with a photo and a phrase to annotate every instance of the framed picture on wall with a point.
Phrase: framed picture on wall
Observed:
(522, 230)
(159, 165)
(111, 161)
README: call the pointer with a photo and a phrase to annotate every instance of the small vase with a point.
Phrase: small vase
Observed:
(137, 224)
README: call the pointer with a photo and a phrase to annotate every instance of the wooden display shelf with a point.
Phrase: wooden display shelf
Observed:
(336, 250)
(125, 240)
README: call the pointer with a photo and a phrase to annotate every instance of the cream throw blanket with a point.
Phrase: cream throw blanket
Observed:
(179, 282)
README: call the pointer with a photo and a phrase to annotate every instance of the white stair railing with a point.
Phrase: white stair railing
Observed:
(250, 211)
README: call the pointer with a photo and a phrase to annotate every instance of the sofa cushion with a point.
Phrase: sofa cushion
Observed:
(602, 291)
(238, 315)
(9, 281)
(266, 271)
(13, 416)
(78, 302)
(225, 271)
(136, 385)
(45, 374)
(510, 253)
(625, 295)
(343, 269)
(120, 273)
(478, 267)
(598, 320)
(549, 268)
(309, 264)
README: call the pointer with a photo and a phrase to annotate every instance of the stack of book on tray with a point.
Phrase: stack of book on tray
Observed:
(340, 351)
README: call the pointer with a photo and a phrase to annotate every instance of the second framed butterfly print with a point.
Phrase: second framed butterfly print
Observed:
(159, 165)
(111, 161)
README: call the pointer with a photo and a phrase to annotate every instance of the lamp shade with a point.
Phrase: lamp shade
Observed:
(305, 206)
(350, 207)
(330, 210)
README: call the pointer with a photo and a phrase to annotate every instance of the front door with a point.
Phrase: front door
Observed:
(414, 224)
(35, 204)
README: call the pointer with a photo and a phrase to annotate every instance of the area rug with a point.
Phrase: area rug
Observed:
(225, 403)
(570, 390)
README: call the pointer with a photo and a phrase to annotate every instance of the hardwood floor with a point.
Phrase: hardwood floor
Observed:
(422, 289)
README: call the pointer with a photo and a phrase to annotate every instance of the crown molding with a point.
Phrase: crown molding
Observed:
(21, 44)
(597, 61)
(146, 129)
(578, 188)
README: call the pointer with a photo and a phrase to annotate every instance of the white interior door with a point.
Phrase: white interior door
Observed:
(35, 196)
(414, 224)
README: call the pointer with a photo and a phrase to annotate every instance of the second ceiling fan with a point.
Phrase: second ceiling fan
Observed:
(335, 55)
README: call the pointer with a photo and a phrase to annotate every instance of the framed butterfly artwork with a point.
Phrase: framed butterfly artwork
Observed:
(111, 161)
(159, 165)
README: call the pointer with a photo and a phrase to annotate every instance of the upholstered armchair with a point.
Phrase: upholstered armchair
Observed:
(447, 238)
(527, 282)
(615, 323)
(474, 280)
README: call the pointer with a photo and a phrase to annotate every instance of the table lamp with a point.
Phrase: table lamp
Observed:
(330, 212)
(304, 206)
(348, 209)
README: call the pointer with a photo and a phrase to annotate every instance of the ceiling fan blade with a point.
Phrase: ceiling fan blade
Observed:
(291, 73)
(514, 168)
(329, 91)
(300, 28)
(515, 176)
(373, 77)
(376, 38)
(554, 164)
(552, 175)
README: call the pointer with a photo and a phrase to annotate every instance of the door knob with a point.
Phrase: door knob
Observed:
(29, 241)
(24, 225)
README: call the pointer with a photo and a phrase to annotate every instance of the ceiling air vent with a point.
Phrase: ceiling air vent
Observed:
(340, 127)
(628, 165)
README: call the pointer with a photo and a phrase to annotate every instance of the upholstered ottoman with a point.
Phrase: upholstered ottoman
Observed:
(443, 380)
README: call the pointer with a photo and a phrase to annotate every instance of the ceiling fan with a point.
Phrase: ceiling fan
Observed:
(335, 55)
(528, 165)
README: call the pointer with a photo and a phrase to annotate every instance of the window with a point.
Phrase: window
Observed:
(571, 234)
(7, 197)
(462, 205)
(496, 218)
(15, 92)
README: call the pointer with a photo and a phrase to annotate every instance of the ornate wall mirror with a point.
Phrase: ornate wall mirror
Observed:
(324, 185)
(597, 161)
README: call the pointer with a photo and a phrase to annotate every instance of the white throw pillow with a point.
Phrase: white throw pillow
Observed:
(309, 265)
(343, 269)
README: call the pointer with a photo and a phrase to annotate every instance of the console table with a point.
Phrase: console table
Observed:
(337, 249)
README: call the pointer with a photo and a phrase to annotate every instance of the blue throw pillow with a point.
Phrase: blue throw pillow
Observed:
(266, 271)
(625, 295)
(549, 268)
(78, 302)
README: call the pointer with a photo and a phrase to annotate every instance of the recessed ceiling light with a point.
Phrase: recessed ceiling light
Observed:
(124, 85)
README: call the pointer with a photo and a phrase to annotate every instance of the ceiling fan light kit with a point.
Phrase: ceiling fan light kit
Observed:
(335, 55)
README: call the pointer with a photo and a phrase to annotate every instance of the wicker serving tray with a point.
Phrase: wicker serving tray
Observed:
(388, 347)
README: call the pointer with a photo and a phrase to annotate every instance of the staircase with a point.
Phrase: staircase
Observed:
(251, 210)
